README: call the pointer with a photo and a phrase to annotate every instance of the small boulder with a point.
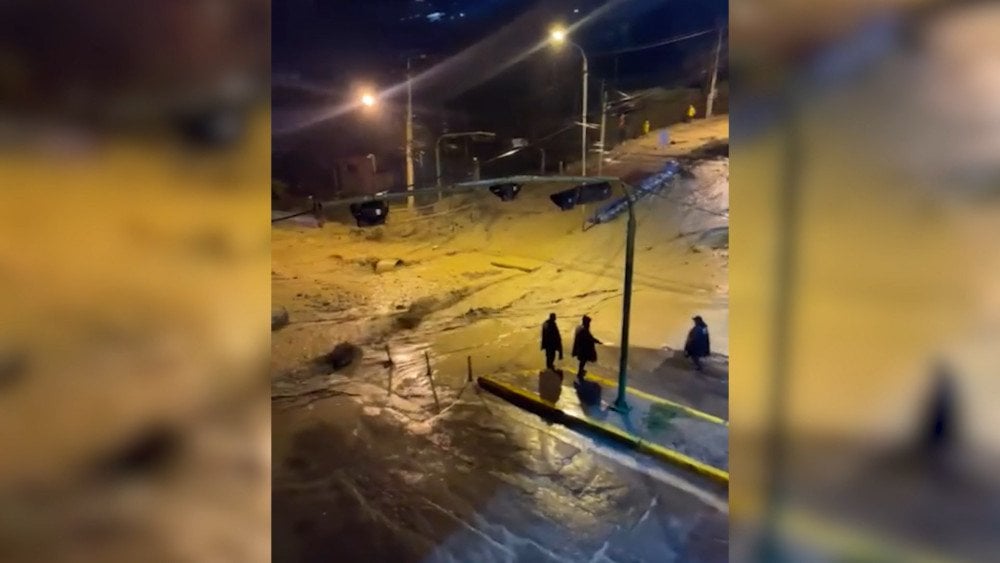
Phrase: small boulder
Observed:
(279, 318)
(342, 355)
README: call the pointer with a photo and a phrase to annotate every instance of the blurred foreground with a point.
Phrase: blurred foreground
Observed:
(134, 246)
(866, 309)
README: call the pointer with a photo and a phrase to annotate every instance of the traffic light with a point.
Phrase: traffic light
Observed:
(584, 193)
(506, 192)
(370, 213)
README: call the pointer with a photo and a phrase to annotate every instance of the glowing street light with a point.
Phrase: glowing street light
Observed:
(558, 35)
(368, 100)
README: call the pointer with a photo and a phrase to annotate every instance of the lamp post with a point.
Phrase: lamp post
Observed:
(437, 147)
(620, 404)
(409, 135)
(559, 36)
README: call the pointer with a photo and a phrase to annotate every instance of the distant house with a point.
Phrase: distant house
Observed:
(359, 175)
(310, 175)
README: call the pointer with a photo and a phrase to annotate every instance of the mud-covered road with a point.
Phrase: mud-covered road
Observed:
(361, 477)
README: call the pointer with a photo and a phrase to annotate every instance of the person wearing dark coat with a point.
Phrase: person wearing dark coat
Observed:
(584, 346)
(697, 345)
(551, 342)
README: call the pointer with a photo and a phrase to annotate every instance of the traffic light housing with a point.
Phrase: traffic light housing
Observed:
(370, 213)
(583, 193)
(506, 192)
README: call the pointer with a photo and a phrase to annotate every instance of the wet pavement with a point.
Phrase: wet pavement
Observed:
(649, 419)
(373, 462)
(362, 476)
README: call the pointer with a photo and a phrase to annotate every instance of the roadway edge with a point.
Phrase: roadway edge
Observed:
(550, 411)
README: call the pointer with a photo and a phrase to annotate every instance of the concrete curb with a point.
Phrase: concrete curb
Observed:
(550, 411)
(611, 384)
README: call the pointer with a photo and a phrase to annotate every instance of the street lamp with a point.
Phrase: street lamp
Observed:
(559, 36)
(368, 100)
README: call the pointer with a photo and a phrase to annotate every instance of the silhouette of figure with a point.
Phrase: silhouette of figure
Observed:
(940, 425)
(584, 347)
(551, 342)
(697, 345)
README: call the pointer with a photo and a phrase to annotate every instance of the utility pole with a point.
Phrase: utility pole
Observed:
(583, 124)
(715, 76)
(604, 121)
(409, 135)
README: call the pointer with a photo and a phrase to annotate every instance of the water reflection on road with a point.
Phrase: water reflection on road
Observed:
(362, 474)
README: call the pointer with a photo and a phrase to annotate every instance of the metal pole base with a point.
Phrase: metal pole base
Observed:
(620, 406)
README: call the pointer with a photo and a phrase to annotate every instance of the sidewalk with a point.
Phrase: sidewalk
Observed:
(663, 429)
(667, 374)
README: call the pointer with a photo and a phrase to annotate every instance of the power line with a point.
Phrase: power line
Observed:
(660, 43)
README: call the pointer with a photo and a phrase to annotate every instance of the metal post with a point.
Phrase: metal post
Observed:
(715, 73)
(475, 168)
(604, 120)
(621, 404)
(583, 119)
(430, 377)
(542, 168)
(437, 160)
(786, 266)
(409, 135)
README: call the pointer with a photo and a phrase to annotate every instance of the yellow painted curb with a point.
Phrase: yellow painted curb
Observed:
(694, 413)
(534, 403)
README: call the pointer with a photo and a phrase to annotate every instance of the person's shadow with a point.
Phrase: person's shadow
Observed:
(550, 385)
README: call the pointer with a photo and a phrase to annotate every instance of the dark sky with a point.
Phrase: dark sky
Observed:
(486, 62)
(345, 40)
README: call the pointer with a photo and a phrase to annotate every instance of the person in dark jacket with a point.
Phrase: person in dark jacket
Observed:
(551, 342)
(584, 346)
(697, 345)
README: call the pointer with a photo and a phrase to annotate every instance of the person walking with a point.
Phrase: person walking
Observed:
(645, 127)
(551, 342)
(697, 345)
(584, 347)
(690, 113)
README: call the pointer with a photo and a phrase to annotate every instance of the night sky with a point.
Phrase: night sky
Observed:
(485, 63)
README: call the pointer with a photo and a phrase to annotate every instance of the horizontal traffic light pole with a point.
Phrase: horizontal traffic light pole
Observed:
(473, 186)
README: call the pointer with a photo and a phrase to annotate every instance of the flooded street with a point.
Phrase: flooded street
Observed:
(359, 480)
(384, 448)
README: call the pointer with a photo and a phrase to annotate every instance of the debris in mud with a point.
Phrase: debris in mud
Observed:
(511, 266)
(13, 368)
(367, 262)
(421, 308)
(279, 318)
(374, 235)
(481, 312)
(342, 355)
(386, 265)
(412, 317)
(150, 451)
